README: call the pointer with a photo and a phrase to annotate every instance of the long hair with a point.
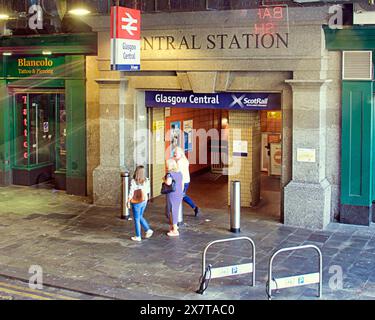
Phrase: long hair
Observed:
(139, 175)
(172, 165)
(181, 152)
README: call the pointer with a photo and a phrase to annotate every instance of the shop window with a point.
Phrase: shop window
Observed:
(103, 7)
(164, 5)
(148, 6)
(219, 4)
(17, 6)
(134, 4)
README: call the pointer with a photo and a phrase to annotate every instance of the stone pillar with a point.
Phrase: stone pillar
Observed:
(106, 177)
(307, 198)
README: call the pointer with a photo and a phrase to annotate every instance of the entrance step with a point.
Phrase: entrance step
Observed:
(222, 171)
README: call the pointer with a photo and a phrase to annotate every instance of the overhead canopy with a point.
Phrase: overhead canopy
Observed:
(82, 43)
(350, 38)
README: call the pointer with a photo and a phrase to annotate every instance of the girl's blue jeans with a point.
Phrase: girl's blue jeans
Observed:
(138, 211)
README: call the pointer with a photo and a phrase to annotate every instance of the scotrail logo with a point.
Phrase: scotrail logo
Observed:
(244, 101)
(237, 101)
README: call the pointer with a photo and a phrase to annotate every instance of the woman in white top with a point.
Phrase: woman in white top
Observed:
(138, 197)
(183, 166)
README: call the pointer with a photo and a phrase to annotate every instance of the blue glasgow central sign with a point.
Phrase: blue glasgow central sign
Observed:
(226, 100)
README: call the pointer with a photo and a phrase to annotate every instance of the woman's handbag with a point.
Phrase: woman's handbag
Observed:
(165, 189)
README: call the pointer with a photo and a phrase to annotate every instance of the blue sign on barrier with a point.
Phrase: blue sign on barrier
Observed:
(224, 100)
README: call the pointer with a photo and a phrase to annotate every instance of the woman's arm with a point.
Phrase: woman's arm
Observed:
(148, 188)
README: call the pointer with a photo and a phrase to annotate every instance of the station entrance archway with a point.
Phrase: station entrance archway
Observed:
(222, 146)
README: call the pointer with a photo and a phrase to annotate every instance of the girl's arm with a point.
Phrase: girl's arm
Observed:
(148, 188)
(131, 191)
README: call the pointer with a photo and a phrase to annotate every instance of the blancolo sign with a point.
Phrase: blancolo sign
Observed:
(226, 100)
(35, 66)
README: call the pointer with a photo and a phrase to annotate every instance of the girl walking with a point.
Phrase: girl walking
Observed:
(138, 197)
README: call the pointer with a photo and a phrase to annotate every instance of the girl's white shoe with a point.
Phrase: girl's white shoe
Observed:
(149, 234)
(139, 239)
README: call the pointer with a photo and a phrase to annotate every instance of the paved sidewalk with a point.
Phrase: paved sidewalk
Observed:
(87, 248)
(11, 289)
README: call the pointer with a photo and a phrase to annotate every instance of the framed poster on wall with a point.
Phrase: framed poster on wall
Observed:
(276, 154)
(240, 148)
(158, 127)
(264, 153)
(175, 133)
(188, 135)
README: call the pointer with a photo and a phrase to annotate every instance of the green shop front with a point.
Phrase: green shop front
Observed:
(43, 110)
(357, 44)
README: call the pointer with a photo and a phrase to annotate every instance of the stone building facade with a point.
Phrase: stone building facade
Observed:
(208, 52)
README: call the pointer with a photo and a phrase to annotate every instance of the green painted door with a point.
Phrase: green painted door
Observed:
(357, 143)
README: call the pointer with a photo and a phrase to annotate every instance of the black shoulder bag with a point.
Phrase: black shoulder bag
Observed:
(165, 189)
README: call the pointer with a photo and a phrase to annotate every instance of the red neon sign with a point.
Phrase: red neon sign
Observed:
(25, 131)
(269, 19)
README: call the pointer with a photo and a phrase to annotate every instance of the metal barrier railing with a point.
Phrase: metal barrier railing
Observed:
(209, 273)
(298, 280)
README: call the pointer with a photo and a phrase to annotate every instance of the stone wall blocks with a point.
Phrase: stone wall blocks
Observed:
(184, 81)
(307, 204)
(202, 82)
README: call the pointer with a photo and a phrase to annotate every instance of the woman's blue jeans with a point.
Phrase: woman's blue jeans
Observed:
(187, 199)
(138, 210)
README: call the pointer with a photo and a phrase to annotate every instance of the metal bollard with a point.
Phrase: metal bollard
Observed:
(181, 215)
(125, 215)
(235, 207)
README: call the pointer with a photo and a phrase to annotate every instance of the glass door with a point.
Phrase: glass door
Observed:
(41, 128)
(39, 131)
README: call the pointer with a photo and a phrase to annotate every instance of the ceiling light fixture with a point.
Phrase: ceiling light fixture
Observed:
(4, 10)
(79, 8)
